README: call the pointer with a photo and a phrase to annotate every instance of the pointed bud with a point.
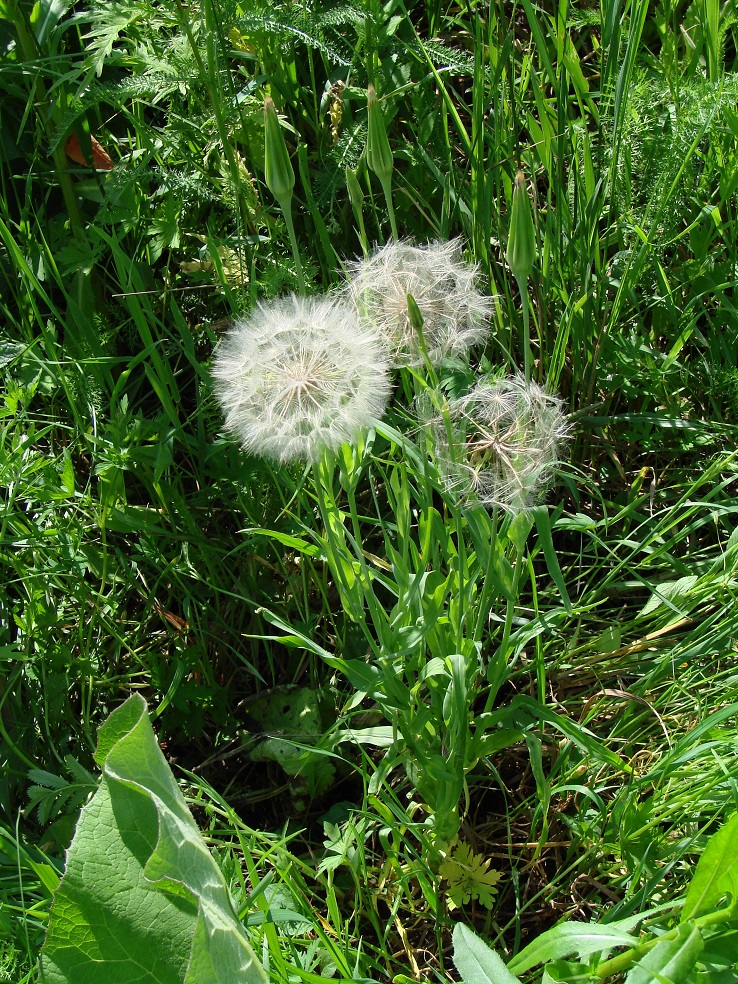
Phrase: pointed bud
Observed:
(521, 243)
(278, 171)
(378, 152)
(356, 195)
(413, 312)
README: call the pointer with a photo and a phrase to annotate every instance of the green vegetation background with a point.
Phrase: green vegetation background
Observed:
(132, 532)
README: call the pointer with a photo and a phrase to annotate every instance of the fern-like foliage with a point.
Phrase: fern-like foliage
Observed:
(54, 796)
(665, 173)
(324, 33)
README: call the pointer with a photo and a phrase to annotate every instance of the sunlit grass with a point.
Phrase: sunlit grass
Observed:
(142, 550)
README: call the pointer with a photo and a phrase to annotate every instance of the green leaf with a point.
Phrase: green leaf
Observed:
(45, 16)
(673, 593)
(563, 972)
(716, 872)
(573, 731)
(567, 938)
(142, 901)
(670, 960)
(543, 526)
(476, 962)
(67, 474)
(469, 877)
(293, 542)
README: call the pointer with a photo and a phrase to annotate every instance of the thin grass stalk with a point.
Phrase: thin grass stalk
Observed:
(210, 75)
(45, 112)
(287, 213)
(479, 191)
(524, 300)
(487, 592)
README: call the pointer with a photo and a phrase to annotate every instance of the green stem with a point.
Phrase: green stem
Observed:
(387, 189)
(287, 212)
(8, 740)
(45, 113)
(527, 355)
(621, 963)
(501, 656)
(485, 595)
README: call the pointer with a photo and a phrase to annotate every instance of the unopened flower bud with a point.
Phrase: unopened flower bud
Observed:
(356, 195)
(413, 311)
(378, 151)
(521, 243)
(278, 171)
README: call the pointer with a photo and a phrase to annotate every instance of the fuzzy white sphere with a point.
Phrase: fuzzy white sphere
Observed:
(300, 375)
(444, 286)
(502, 442)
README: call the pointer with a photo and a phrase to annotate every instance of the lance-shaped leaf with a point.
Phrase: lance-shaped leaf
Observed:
(141, 900)
(716, 874)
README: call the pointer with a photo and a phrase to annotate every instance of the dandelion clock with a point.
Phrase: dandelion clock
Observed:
(299, 376)
(501, 442)
(444, 287)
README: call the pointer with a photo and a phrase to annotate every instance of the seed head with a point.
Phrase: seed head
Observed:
(444, 287)
(503, 443)
(298, 376)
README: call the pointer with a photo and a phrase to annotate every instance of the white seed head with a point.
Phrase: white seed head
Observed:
(444, 286)
(300, 375)
(501, 443)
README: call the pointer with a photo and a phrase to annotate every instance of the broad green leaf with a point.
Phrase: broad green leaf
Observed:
(722, 946)
(716, 872)
(567, 938)
(476, 962)
(673, 593)
(670, 960)
(45, 16)
(141, 900)
(382, 736)
(291, 721)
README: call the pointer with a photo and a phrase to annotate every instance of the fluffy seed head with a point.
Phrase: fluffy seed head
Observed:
(503, 443)
(298, 376)
(443, 285)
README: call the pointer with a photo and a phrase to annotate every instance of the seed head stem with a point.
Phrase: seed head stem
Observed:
(287, 212)
(379, 153)
(527, 354)
(280, 178)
